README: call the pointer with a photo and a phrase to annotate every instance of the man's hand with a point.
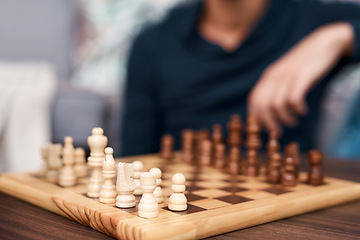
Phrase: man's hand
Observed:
(279, 96)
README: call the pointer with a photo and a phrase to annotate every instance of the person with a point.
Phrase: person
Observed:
(210, 59)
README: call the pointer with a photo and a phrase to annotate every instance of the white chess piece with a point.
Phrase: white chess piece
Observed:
(158, 193)
(178, 200)
(80, 167)
(108, 193)
(67, 174)
(97, 143)
(54, 162)
(125, 186)
(138, 167)
(148, 207)
(45, 155)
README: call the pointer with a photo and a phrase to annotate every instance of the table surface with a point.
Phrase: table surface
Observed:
(21, 220)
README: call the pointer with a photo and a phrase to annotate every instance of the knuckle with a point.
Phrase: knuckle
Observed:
(276, 105)
(251, 98)
(293, 102)
(263, 106)
(273, 71)
(255, 102)
(270, 69)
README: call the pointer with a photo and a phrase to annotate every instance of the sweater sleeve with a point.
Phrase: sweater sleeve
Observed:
(140, 131)
(323, 13)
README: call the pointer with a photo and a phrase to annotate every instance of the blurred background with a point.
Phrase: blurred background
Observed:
(62, 71)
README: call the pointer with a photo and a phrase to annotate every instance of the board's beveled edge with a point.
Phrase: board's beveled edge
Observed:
(29, 189)
(339, 191)
(248, 214)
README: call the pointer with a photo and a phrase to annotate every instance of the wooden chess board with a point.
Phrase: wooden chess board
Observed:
(217, 201)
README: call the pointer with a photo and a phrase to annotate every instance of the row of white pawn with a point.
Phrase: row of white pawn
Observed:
(132, 181)
(63, 165)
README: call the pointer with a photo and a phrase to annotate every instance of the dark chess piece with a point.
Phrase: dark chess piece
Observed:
(292, 149)
(273, 145)
(234, 160)
(219, 156)
(252, 163)
(167, 146)
(296, 153)
(315, 176)
(188, 145)
(206, 153)
(201, 136)
(288, 178)
(274, 168)
(235, 127)
(253, 144)
(217, 135)
(253, 140)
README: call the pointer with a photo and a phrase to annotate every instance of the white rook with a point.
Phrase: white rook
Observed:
(148, 206)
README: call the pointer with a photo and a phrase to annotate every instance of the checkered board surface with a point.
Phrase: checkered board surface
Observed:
(218, 202)
(209, 188)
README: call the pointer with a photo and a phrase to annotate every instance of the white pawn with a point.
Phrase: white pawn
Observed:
(125, 186)
(158, 193)
(148, 207)
(54, 162)
(45, 155)
(80, 167)
(138, 167)
(177, 200)
(108, 193)
(67, 173)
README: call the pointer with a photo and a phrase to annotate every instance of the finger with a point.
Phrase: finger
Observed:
(266, 119)
(298, 107)
(270, 122)
(296, 99)
(279, 104)
(259, 97)
(259, 105)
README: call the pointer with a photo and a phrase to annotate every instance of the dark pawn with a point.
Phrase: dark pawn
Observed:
(315, 176)
(235, 127)
(253, 128)
(273, 145)
(234, 160)
(288, 178)
(217, 135)
(219, 155)
(292, 150)
(274, 169)
(188, 141)
(206, 153)
(201, 136)
(252, 163)
(167, 146)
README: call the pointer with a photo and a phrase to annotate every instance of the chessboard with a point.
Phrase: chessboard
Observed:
(218, 202)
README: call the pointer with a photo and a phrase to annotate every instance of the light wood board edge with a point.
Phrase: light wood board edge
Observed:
(123, 225)
(88, 212)
(248, 214)
(29, 189)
